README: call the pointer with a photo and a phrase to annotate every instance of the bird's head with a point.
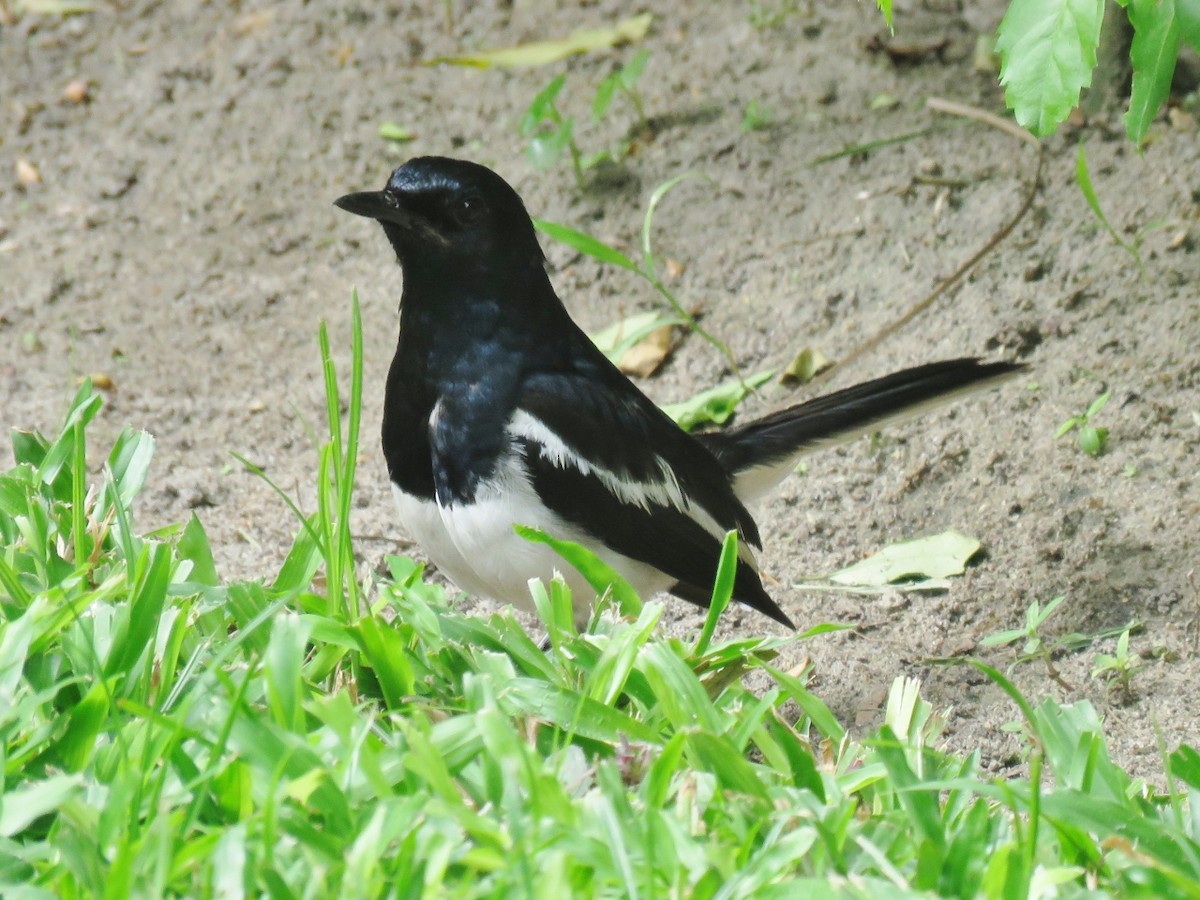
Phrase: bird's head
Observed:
(450, 215)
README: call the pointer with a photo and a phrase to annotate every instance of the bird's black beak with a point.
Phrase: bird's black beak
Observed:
(380, 205)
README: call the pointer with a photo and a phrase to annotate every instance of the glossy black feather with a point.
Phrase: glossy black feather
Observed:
(848, 412)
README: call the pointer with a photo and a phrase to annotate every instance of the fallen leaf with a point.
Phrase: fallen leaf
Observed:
(27, 172)
(541, 53)
(252, 22)
(100, 381)
(921, 560)
(806, 366)
(394, 131)
(646, 357)
(56, 7)
(908, 53)
(717, 404)
(76, 91)
(619, 338)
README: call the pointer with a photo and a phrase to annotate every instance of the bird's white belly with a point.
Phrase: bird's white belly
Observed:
(475, 545)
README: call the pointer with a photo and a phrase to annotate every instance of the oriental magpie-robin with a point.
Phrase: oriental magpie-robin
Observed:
(500, 411)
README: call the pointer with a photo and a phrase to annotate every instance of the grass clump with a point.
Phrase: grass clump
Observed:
(167, 733)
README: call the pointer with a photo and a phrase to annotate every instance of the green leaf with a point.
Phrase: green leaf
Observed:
(385, 650)
(1097, 405)
(717, 404)
(1154, 51)
(716, 754)
(1187, 15)
(78, 743)
(1092, 439)
(541, 53)
(1185, 765)
(599, 574)
(605, 92)
(1083, 177)
(722, 592)
(282, 663)
(547, 148)
(936, 556)
(586, 244)
(193, 546)
(394, 131)
(617, 339)
(632, 71)
(1048, 51)
(571, 711)
(920, 802)
(543, 107)
(885, 7)
(34, 799)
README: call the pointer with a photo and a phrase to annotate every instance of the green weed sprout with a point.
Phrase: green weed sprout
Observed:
(756, 117)
(1084, 179)
(1092, 439)
(1036, 646)
(647, 269)
(550, 133)
(1118, 669)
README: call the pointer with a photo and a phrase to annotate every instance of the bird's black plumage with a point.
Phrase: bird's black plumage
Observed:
(500, 410)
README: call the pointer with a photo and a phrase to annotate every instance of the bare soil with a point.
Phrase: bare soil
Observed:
(182, 242)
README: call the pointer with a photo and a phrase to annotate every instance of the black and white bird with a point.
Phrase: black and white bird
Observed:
(501, 411)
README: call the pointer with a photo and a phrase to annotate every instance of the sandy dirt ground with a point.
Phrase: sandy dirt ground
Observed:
(182, 242)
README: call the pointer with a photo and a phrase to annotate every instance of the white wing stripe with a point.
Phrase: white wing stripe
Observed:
(636, 493)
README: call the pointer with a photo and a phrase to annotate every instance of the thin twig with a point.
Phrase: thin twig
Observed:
(953, 279)
(938, 104)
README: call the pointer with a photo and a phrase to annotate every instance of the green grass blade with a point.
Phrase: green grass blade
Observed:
(722, 592)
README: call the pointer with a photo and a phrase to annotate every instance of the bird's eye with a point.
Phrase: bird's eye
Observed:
(468, 210)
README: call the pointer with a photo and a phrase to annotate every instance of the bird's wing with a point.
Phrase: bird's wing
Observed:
(608, 461)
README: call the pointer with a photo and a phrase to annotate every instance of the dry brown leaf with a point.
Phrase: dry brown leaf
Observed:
(647, 356)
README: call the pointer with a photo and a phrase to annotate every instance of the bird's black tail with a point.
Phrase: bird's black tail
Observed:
(760, 454)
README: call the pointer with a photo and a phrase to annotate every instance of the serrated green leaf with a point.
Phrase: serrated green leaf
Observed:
(1154, 51)
(1048, 51)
